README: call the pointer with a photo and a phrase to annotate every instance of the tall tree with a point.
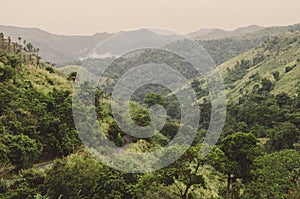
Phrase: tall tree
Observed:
(276, 175)
(235, 157)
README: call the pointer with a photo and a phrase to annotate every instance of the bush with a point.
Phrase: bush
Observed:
(276, 75)
(288, 69)
(50, 69)
(3, 186)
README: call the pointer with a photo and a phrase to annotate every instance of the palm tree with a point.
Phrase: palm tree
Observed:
(1, 39)
(38, 61)
(20, 43)
(29, 47)
(9, 41)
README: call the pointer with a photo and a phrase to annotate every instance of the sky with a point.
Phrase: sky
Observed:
(86, 17)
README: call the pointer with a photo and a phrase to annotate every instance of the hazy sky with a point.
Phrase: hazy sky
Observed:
(90, 16)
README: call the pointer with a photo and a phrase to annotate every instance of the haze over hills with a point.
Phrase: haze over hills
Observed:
(262, 121)
(63, 49)
(56, 48)
(209, 34)
(135, 39)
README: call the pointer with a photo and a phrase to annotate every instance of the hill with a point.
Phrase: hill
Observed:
(35, 104)
(277, 60)
(222, 45)
(221, 50)
(210, 34)
(58, 49)
(36, 125)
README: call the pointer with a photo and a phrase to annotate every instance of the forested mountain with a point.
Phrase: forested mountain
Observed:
(210, 34)
(222, 45)
(58, 49)
(257, 155)
(221, 50)
(36, 122)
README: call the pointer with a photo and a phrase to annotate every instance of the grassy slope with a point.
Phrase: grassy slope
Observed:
(45, 81)
(284, 54)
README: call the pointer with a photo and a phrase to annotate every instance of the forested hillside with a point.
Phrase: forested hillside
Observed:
(257, 155)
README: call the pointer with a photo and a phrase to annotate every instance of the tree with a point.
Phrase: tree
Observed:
(154, 98)
(235, 157)
(13, 60)
(76, 174)
(276, 75)
(9, 41)
(184, 173)
(29, 47)
(276, 175)
(112, 184)
(20, 39)
(29, 184)
(267, 85)
(287, 134)
(72, 76)
(6, 73)
(22, 151)
(37, 52)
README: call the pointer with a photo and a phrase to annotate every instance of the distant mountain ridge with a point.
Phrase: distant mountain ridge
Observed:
(209, 34)
(64, 49)
(56, 48)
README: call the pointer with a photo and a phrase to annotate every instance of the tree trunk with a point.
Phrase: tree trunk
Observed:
(228, 187)
(185, 192)
(234, 188)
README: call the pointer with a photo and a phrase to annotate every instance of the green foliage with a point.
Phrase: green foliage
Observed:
(289, 68)
(267, 85)
(276, 175)
(234, 158)
(276, 75)
(222, 50)
(69, 176)
(27, 185)
(50, 69)
(37, 124)
(286, 135)
(240, 150)
(72, 76)
(10, 59)
(39, 196)
(184, 173)
(113, 184)
(276, 54)
(3, 186)
(34, 124)
(240, 69)
(154, 98)
(22, 151)
(6, 73)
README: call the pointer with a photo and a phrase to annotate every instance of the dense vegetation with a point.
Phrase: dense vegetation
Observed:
(257, 156)
(35, 106)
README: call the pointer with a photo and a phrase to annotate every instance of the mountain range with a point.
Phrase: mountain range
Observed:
(67, 49)
(209, 34)
(62, 49)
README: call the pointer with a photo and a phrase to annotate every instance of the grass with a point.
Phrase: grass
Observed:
(45, 81)
(277, 60)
